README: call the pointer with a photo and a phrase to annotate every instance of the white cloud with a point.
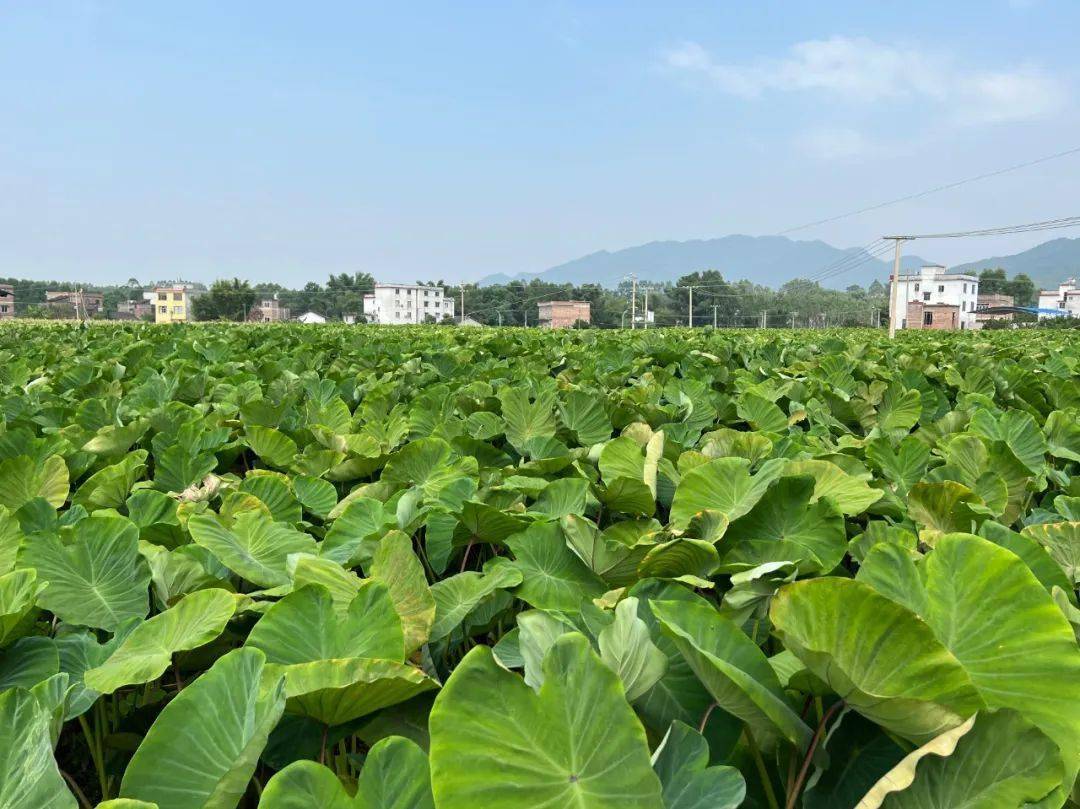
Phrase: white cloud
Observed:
(862, 70)
(835, 143)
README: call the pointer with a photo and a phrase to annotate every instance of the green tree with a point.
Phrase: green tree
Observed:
(226, 300)
(1022, 289)
(993, 282)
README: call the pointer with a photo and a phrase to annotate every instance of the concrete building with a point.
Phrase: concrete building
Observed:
(74, 304)
(134, 309)
(311, 317)
(7, 301)
(172, 304)
(400, 304)
(935, 288)
(563, 314)
(992, 302)
(1065, 298)
(268, 310)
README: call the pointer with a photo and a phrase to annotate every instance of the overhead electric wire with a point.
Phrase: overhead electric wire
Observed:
(1050, 224)
(934, 190)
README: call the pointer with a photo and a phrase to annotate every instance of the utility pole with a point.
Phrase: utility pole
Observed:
(500, 317)
(633, 301)
(714, 308)
(690, 309)
(793, 319)
(462, 319)
(646, 318)
(764, 319)
(894, 292)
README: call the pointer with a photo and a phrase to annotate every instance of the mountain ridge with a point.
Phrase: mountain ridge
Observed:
(773, 260)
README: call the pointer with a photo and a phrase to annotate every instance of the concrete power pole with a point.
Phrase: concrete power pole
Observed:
(690, 309)
(633, 301)
(646, 318)
(461, 320)
(764, 319)
(895, 316)
(714, 308)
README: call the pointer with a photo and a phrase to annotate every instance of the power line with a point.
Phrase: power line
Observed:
(935, 190)
(1050, 224)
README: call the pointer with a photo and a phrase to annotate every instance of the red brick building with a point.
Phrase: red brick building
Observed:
(563, 314)
(939, 316)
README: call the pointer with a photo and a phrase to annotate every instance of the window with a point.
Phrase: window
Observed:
(926, 296)
(928, 318)
(916, 287)
(965, 289)
(427, 304)
(426, 293)
(178, 310)
(397, 291)
(163, 309)
(161, 296)
(941, 288)
(3, 307)
(178, 296)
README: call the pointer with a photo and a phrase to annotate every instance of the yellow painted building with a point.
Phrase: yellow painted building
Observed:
(171, 305)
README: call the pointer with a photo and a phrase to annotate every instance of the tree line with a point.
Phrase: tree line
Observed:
(704, 297)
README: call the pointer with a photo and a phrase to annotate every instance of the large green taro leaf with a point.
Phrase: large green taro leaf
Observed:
(1019, 431)
(851, 495)
(145, 654)
(723, 485)
(990, 611)
(304, 627)
(943, 507)
(628, 650)
(29, 777)
(785, 526)
(203, 747)
(583, 414)
(734, 670)
(272, 446)
(18, 591)
(553, 577)
(100, 580)
(22, 479)
(353, 536)
(396, 566)
(338, 691)
(880, 658)
(256, 547)
(428, 464)
(1062, 542)
(395, 776)
(679, 694)
(682, 763)
(457, 596)
(527, 419)
(992, 761)
(576, 744)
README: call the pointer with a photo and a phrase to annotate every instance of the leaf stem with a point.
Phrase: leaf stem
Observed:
(95, 754)
(77, 790)
(705, 718)
(763, 772)
(793, 795)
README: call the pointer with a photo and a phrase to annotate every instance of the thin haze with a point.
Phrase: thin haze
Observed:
(283, 141)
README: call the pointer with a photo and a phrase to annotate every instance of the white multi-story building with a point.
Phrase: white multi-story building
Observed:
(937, 291)
(399, 304)
(1066, 299)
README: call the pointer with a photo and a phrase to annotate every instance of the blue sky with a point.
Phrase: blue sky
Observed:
(283, 141)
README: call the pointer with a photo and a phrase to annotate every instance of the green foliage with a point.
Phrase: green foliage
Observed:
(369, 568)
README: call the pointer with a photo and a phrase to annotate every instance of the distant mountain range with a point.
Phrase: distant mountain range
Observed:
(773, 260)
(1047, 264)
